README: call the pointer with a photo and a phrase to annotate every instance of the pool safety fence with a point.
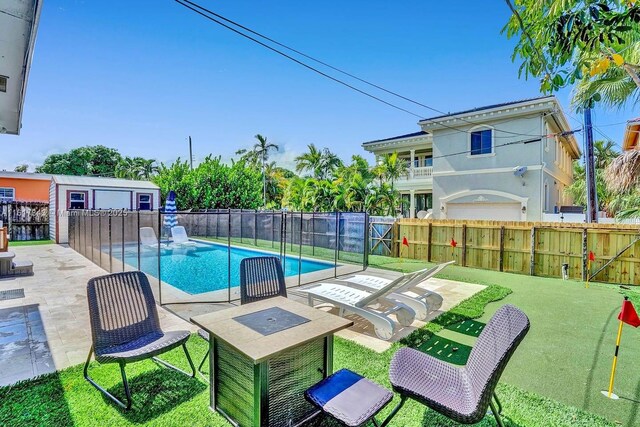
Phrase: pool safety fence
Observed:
(312, 246)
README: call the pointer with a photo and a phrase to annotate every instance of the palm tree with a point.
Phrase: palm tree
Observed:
(310, 161)
(623, 173)
(261, 149)
(329, 162)
(604, 153)
(393, 167)
(145, 168)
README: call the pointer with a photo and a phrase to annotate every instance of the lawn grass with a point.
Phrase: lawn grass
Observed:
(165, 398)
(29, 242)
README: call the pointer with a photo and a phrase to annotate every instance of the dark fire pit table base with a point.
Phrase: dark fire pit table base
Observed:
(260, 380)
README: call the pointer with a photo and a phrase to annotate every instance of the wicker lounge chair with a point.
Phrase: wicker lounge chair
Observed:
(180, 237)
(462, 393)
(125, 326)
(423, 303)
(260, 278)
(359, 301)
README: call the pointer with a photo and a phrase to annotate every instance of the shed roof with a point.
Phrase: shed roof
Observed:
(96, 181)
(26, 175)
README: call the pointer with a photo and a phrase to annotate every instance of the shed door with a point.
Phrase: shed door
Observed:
(489, 211)
(112, 199)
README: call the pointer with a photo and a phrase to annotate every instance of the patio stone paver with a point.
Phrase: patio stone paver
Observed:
(48, 329)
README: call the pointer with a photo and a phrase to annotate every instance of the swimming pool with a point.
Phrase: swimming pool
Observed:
(204, 266)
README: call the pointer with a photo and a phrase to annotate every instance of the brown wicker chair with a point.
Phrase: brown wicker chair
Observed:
(260, 278)
(125, 327)
(462, 393)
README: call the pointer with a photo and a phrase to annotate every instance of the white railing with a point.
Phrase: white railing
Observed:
(420, 173)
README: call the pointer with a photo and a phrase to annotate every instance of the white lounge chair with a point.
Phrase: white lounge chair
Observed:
(180, 237)
(423, 303)
(359, 301)
(148, 238)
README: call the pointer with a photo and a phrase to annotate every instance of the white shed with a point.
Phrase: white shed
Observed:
(87, 192)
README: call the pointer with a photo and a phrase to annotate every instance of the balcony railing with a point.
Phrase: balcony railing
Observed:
(420, 173)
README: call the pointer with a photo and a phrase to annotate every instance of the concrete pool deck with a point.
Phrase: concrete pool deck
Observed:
(49, 330)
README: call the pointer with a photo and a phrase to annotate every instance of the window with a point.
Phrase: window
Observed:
(3, 83)
(416, 162)
(145, 202)
(7, 194)
(427, 162)
(77, 200)
(481, 142)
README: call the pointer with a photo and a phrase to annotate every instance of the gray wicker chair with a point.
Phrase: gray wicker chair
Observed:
(461, 393)
(260, 278)
(125, 327)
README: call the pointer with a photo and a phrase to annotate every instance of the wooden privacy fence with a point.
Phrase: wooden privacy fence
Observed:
(534, 248)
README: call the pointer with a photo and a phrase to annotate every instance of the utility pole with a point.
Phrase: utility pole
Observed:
(590, 172)
(190, 153)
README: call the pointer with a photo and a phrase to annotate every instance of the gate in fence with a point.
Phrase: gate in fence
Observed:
(381, 235)
(311, 247)
(25, 220)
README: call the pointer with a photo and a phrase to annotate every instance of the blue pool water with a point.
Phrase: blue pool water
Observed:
(204, 267)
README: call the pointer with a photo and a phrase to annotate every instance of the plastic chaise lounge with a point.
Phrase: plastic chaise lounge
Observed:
(260, 278)
(462, 393)
(423, 303)
(125, 327)
(149, 239)
(180, 237)
(359, 301)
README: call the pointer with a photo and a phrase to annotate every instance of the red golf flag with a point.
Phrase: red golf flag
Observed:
(405, 242)
(628, 314)
(453, 243)
(592, 256)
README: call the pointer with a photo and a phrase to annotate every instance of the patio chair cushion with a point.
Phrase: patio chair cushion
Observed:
(142, 348)
(349, 397)
(432, 381)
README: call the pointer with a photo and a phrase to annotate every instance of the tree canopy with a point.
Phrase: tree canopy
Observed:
(592, 43)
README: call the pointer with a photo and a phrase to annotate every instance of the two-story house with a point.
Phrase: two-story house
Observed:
(510, 161)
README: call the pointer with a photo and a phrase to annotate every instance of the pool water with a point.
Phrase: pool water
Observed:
(204, 266)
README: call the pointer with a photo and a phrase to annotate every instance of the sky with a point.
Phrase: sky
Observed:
(143, 76)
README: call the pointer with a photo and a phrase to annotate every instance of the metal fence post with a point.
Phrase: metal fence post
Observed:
(122, 245)
(138, 239)
(300, 254)
(284, 241)
(229, 253)
(159, 254)
(335, 259)
(255, 228)
(110, 247)
(100, 238)
(313, 233)
(365, 260)
(91, 232)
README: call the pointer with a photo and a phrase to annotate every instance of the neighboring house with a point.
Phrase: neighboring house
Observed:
(18, 27)
(631, 135)
(24, 187)
(463, 165)
(85, 192)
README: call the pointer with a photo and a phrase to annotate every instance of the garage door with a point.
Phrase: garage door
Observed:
(491, 211)
(108, 199)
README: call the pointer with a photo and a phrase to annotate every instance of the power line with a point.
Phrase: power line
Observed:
(194, 7)
(300, 62)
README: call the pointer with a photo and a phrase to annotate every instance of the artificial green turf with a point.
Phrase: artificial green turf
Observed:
(29, 242)
(568, 352)
(468, 327)
(446, 349)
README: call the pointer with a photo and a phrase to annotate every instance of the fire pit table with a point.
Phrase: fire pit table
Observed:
(264, 355)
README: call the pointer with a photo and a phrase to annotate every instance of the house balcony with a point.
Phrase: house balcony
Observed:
(417, 178)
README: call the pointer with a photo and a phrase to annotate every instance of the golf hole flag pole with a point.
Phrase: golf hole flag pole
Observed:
(405, 242)
(627, 315)
(453, 244)
(592, 257)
